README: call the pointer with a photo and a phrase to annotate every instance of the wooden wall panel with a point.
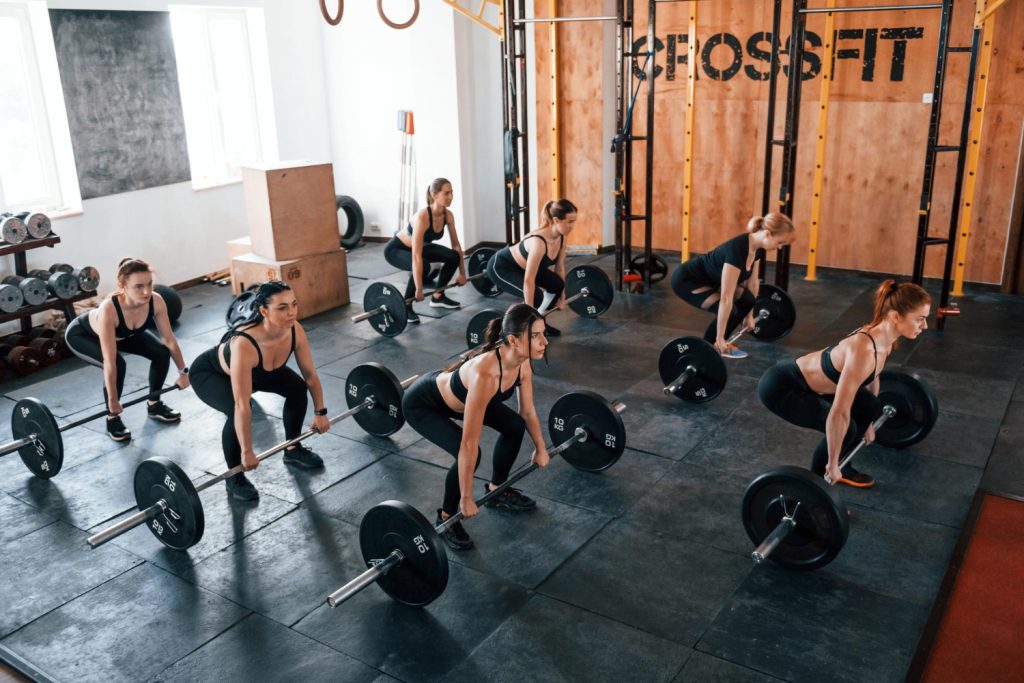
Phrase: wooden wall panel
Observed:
(877, 130)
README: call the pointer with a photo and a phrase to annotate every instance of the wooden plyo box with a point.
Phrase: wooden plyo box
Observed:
(291, 209)
(237, 247)
(320, 282)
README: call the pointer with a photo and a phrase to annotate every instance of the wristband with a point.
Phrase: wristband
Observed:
(320, 413)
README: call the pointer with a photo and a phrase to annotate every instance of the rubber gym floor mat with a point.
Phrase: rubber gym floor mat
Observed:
(973, 631)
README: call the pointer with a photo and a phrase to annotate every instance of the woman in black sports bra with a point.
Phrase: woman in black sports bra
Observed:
(251, 358)
(524, 269)
(414, 248)
(835, 390)
(131, 320)
(474, 393)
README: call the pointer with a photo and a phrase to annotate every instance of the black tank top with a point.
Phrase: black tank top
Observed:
(258, 372)
(460, 391)
(430, 235)
(830, 369)
(122, 331)
(546, 262)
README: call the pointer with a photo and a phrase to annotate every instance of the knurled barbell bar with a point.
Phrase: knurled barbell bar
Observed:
(169, 502)
(405, 555)
(795, 517)
(37, 436)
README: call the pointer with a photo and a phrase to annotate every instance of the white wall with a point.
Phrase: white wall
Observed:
(180, 230)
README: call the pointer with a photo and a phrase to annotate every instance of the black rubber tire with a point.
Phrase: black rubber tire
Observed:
(354, 215)
(172, 300)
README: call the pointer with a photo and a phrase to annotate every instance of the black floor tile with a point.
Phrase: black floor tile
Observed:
(1011, 431)
(964, 439)
(258, 649)
(949, 354)
(559, 642)
(128, 629)
(666, 586)
(980, 396)
(19, 519)
(413, 643)
(1005, 471)
(34, 583)
(811, 627)
(702, 668)
(666, 426)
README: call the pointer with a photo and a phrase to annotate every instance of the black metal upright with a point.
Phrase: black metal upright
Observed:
(769, 139)
(652, 16)
(515, 121)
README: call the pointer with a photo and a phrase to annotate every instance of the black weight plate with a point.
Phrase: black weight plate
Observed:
(599, 285)
(478, 326)
(423, 573)
(181, 525)
(711, 374)
(781, 313)
(11, 298)
(373, 379)
(241, 310)
(917, 409)
(606, 434)
(391, 323)
(45, 456)
(659, 267)
(477, 263)
(34, 290)
(822, 525)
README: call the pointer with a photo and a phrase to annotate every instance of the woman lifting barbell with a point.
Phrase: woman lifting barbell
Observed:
(413, 249)
(124, 323)
(474, 392)
(524, 269)
(225, 377)
(724, 281)
(835, 390)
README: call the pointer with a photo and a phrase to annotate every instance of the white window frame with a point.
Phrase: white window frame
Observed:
(200, 98)
(63, 196)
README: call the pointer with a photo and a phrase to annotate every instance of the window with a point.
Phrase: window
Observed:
(224, 75)
(37, 167)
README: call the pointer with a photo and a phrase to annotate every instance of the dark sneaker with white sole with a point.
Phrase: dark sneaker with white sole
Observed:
(162, 412)
(411, 316)
(300, 456)
(511, 499)
(455, 535)
(241, 488)
(116, 429)
(444, 302)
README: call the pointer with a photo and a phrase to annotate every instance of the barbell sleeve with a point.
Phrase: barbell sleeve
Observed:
(769, 544)
(127, 524)
(679, 381)
(366, 315)
(763, 314)
(887, 412)
(12, 446)
(370, 576)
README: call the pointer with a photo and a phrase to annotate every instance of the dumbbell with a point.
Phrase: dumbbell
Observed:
(61, 284)
(42, 331)
(404, 550)
(38, 224)
(169, 502)
(87, 276)
(47, 348)
(11, 298)
(33, 290)
(795, 518)
(23, 359)
(12, 229)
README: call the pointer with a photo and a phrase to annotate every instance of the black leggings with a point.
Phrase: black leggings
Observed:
(504, 272)
(213, 387)
(784, 391)
(400, 256)
(742, 303)
(86, 345)
(426, 412)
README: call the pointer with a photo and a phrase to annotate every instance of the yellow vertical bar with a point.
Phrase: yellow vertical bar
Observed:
(973, 148)
(691, 91)
(556, 142)
(819, 148)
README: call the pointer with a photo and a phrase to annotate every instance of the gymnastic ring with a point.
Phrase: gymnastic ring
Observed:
(392, 24)
(335, 20)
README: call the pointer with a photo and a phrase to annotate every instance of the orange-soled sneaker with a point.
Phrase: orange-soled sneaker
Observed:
(857, 479)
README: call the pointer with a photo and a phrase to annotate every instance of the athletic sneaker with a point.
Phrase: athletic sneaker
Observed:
(511, 499)
(116, 429)
(551, 331)
(162, 412)
(241, 488)
(455, 535)
(444, 302)
(856, 478)
(411, 316)
(300, 456)
(734, 352)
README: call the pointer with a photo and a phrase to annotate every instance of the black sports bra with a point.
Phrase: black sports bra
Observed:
(546, 261)
(830, 369)
(460, 391)
(122, 331)
(258, 372)
(430, 235)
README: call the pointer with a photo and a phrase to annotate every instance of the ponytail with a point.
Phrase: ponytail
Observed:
(775, 223)
(902, 297)
(517, 320)
(435, 186)
(555, 209)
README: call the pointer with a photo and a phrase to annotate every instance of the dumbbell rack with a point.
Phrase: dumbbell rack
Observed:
(24, 314)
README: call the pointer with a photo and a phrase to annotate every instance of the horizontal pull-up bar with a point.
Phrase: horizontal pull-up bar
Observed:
(876, 8)
(541, 20)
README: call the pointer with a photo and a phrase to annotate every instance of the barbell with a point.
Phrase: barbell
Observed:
(403, 550)
(776, 316)
(169, 502)
(795, 518)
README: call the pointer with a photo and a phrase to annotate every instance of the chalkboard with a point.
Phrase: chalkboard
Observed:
(120, 82)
